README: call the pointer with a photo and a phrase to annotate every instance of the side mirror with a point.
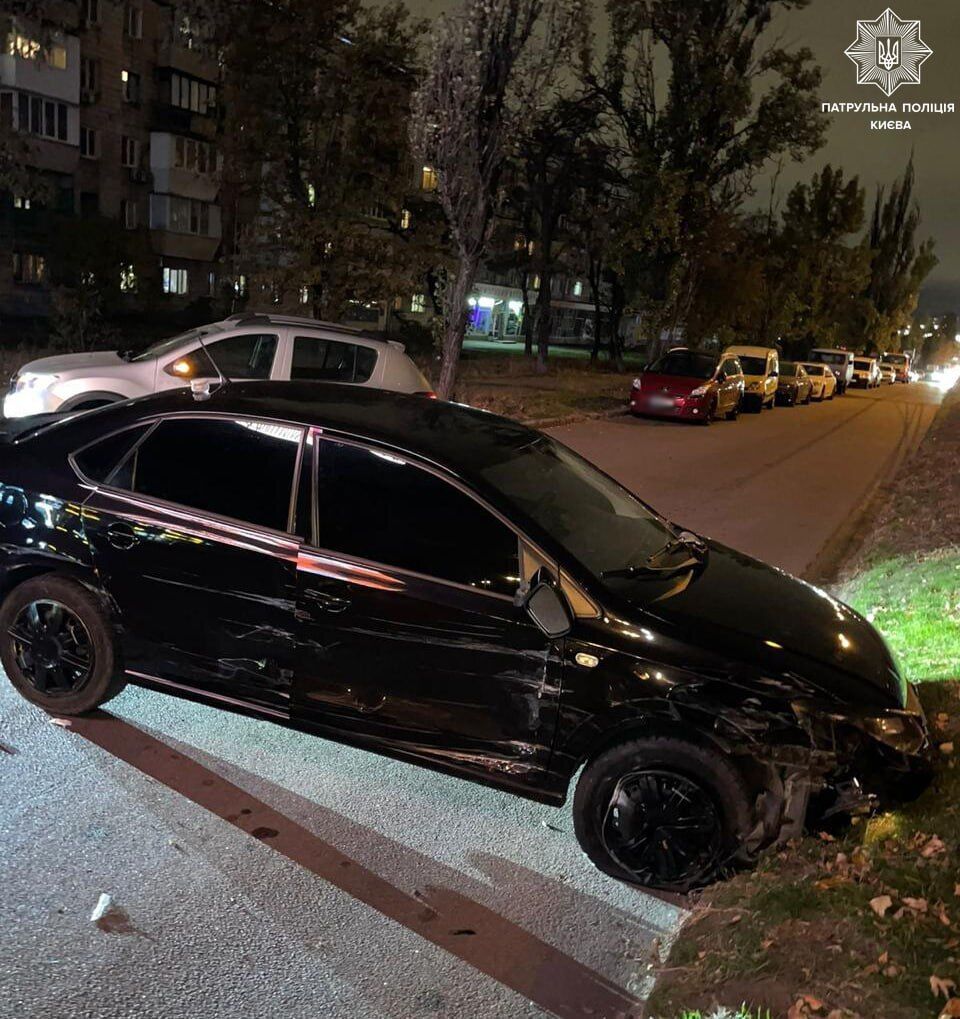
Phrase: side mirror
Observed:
(547, 609)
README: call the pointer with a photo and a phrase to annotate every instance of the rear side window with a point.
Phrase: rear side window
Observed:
(240, 469)
(375, 506)
(97, 462)
(317, 359)
(249, 356)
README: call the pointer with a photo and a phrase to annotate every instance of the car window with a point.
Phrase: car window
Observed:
(686, 363)
(753, 365)
(98, 460)
(375, 506)
(732, 366)
(248, 356)
(235, 468)
(325, 360)
(788, 369)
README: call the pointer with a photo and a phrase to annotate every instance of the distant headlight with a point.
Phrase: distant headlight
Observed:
(28, 394)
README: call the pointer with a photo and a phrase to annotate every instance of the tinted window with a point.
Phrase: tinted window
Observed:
(814, 369)
(98, 461)
(685, 362)
(240, 469)
(376, 507)
(788, 369)
(331, 361)
(753, 365)
(239, 357)
(732, 367)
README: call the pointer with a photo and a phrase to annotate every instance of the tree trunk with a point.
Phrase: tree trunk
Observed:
(595, 284)
(526, 322)
(456, 312)
(544, 321)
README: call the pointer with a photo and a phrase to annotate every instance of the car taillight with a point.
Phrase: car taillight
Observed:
(428, 393)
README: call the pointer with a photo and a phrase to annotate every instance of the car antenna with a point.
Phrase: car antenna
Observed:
(201, 387)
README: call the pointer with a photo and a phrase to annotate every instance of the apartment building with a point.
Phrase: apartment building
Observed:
(119, 109)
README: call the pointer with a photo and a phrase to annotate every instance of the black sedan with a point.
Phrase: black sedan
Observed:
(453, 589)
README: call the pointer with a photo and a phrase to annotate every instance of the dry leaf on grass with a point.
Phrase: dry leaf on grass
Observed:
(917, 905)
(933, 847)
(940, 985)
(951, 1010)
(881, 904)
(946, 748)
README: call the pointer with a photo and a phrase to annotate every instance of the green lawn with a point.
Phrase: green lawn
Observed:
(915, 603)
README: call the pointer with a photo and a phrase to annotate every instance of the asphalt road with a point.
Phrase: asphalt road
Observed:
(257, 871)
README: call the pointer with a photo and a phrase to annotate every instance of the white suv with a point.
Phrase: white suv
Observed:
(248, 346)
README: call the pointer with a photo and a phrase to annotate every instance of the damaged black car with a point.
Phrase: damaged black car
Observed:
(451, 589)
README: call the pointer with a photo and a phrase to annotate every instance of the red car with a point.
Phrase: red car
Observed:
(691, 385)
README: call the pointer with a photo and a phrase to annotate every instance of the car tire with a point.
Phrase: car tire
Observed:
(622, 792)
(734, 412)
(69, 626)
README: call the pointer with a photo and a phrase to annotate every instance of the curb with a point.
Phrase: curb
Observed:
(572, 419)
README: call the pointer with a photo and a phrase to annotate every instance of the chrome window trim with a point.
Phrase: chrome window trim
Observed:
(148, 424)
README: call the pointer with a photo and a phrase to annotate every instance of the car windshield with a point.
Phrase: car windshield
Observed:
(828, 358)
(894, 359)
(753, 365)
(600, 523)
(786, 368)
(162, 347)
(863, 366)
(685, 362)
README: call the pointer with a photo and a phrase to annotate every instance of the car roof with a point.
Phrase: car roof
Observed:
(461, 438)
(265, 318)
(757, 351)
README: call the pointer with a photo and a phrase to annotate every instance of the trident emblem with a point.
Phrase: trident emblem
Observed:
(888, 53)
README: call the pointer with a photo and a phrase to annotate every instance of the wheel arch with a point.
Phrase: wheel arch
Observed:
(100, 397)
(18, 573)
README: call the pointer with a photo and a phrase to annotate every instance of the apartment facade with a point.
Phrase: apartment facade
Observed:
(118, 108)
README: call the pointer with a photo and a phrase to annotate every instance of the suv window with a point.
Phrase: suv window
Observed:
(240, 469)
(249, 356)
(98, 460)
(377, 507)
(325, 360)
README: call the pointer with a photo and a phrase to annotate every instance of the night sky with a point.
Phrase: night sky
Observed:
(828, 27)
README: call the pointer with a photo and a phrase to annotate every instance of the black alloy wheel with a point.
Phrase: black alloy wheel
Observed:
(663, 828)
(52, 647)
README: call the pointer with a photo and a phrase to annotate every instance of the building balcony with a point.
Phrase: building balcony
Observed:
(184, 166)
(184, 227)
(193, 60)
(53, 72)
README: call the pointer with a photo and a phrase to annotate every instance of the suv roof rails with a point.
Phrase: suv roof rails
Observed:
(266, 317)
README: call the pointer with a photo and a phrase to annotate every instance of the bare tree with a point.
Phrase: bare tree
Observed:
(490, 67)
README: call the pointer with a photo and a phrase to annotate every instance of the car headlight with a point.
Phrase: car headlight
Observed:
(753, 386)
(700, 391)
(900, 730)
(32, 381)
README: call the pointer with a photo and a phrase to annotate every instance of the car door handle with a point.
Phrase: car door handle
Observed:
(121, 536)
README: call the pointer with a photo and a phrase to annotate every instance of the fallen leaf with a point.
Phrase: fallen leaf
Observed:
(835, 1014)
(825, 884)
(940, 985)
(891, 970)
(917, 905)
(812, 1003)
(956, 890)
(946, 748)
(884, 959)
(881, 904)
(933, 847)
(825, 836)
(951, 1010)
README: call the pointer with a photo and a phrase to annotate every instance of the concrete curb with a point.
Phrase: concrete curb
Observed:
(572, 419)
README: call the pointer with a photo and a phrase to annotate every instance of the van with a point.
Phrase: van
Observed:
(839, 361)
(761, 374)
(866, 372)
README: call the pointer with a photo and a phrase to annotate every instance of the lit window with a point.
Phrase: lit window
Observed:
(240, 285)
(418, 303)
(130, 83)
(174, 280)
(311, 195)
(535, 283)
(28, 267)
(429, 179)
(405, 219)
(21, 203)
(577, 288)
(128, 279)
(304, 295)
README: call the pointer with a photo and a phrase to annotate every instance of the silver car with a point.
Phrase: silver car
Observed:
(248, 346)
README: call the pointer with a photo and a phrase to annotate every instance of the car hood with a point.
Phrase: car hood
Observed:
(764, 617)
(678, 385)
(59, 364)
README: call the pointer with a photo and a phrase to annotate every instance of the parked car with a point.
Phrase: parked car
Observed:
(761, 369)
(839, 361)
(452, 589)
(690, 385)
(822, 380)
(247, 346)
(888, 373)
(794, 385)
(899, 362)
(866, 372)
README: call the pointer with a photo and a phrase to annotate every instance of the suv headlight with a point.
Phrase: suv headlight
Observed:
(898, 729)
(28, 394)
(32, 381)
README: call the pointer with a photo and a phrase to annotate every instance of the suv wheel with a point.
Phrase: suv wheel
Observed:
(57, 646)
(662, 813)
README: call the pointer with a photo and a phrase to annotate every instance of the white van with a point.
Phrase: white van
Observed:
(839, 361)
(761, 374)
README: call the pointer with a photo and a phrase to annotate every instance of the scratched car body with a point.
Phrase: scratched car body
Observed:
(452, 589)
